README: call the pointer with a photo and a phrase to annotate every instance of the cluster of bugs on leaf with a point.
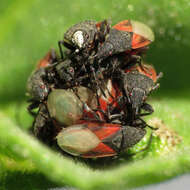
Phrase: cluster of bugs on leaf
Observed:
(91, 98)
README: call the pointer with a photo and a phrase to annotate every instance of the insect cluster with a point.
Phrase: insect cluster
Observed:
(91, 98)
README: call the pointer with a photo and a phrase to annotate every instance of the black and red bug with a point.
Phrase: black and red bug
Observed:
(94, 139)
(127, 36)
(137, 84)
(84, 36)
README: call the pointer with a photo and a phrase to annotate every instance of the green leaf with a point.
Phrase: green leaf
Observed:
(29, 29)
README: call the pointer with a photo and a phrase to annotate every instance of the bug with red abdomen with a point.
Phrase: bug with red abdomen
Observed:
(126, 36)
(93, 139)
(137, 84)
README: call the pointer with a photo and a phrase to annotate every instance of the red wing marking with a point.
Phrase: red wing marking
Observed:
(45, 61)
(103, 103)
(103, 130)
(139, 41)
(124, 26)
(101, 150)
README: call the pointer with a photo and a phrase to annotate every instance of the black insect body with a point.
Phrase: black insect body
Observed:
(104, 139)
(83, 37)
(37, 87)
(137, 87)
(43, 125)
(132, 135)
(116, 42)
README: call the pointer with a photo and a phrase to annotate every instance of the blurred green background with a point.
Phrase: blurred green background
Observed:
(29, 28)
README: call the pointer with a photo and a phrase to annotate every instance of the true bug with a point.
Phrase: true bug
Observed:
(38, 86)
(84, 36)
(93, 139)
(126, 36)
(137, 84)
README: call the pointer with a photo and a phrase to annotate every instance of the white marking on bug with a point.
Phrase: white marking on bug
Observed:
(77, 50)
(78, 38)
